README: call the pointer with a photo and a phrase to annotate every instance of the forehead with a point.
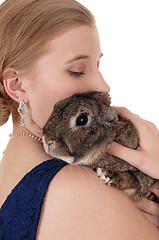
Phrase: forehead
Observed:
(75, 40)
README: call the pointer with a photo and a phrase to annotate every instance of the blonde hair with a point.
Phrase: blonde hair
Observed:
(24, 26)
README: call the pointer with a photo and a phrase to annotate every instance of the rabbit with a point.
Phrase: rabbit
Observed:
(80, 130)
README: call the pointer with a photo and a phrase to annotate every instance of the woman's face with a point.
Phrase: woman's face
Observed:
(70, 64)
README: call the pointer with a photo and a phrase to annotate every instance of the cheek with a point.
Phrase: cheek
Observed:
(48, 91)
(67, 86)
(41, 102)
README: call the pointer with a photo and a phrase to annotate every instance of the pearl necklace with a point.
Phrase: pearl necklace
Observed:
(24, 134)
(27, 135)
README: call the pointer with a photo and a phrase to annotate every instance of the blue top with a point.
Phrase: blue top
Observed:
(20, 213)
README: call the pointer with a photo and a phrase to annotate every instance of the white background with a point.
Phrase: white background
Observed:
(129, 33)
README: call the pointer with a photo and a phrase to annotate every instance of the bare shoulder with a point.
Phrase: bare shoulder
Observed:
(78, 205)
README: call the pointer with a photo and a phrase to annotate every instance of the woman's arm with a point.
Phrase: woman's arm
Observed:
(78, 205)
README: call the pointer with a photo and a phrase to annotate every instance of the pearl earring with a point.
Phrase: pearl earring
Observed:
(22, 106)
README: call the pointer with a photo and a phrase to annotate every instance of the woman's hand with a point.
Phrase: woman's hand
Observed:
(150, 209)
(146, 157)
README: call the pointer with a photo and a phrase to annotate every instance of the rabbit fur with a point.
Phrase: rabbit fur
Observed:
(79, 131)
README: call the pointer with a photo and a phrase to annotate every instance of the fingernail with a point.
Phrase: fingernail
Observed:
(108, 146)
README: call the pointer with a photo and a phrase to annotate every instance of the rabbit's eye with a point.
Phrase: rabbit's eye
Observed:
(82, 120)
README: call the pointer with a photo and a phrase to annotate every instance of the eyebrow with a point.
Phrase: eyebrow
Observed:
(81, 57)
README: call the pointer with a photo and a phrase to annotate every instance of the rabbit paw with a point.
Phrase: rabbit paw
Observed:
(111, 178)
(104, 175)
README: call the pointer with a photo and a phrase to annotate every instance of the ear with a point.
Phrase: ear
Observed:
(13, 85)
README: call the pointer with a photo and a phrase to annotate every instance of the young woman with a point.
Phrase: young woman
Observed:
(48, 51)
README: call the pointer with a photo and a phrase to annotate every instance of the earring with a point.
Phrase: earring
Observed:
(22, 106)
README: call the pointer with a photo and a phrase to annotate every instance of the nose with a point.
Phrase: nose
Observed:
(98, 83)
(103, 86)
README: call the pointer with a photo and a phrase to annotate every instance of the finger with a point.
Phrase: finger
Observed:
(149, 207)
(152, 219)
(134, 118)
(156, 192)
(125, 113)
(131, 156)
(150, 210)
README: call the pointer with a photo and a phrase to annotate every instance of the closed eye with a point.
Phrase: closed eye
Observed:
(76, 74)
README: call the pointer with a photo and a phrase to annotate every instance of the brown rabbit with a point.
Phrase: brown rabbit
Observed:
(80, 130)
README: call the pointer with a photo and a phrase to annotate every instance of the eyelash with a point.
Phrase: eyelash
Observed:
(76, 74)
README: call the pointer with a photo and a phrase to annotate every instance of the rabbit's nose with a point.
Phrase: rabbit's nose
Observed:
(50, 144)
(47, 144)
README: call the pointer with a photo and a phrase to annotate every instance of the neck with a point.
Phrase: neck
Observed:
(22, 153)
(18, 129)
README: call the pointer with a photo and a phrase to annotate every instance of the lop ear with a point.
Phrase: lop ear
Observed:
(60, 105)
(103, 97)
